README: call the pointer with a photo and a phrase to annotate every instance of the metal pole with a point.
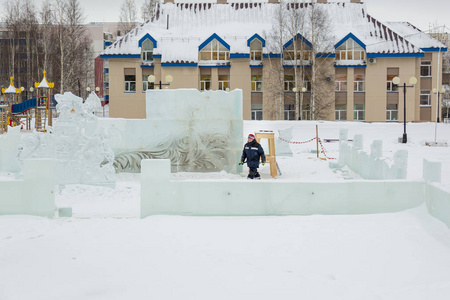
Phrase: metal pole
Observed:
(405, 138)
(317, 140)
(438, 104)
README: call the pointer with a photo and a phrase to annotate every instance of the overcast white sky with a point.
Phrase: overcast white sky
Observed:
(421, 13)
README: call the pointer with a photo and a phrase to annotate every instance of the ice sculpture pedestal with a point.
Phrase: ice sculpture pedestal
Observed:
(34, 195)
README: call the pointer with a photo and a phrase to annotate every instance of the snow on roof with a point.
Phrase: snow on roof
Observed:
(415, 35)
(43, 84)
(10, 90)
(179, 29)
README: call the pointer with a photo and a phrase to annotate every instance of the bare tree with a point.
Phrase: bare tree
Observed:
(128, 15)
(30, 23)
(319, 35)
(14, 29)
(148, 10)
(60, 16)
(274, 77)
(79, 53)
(45, 35)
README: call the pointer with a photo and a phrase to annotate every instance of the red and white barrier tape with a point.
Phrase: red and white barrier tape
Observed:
(290, 142)
(320, 142)
(323, 150)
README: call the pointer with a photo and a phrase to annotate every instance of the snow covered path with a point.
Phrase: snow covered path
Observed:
(106, 252)
(387, 256)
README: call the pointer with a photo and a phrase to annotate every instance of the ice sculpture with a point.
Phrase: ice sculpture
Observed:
(197, 131)
(81, 147)
(282, 147)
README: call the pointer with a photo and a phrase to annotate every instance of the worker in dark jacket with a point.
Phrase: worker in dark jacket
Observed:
(253, 152)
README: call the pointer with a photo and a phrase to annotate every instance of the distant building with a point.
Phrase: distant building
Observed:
(225, 45)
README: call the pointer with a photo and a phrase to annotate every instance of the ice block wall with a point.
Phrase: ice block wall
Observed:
(33, 195)
(371, 165)
(160, 195)
(197, 131)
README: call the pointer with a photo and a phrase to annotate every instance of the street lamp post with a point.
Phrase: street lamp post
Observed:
(435, 91)
(301, 91)
(152, 79)
(412, 82)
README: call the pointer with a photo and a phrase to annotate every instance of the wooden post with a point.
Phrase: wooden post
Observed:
(317, 140)
(270, 157)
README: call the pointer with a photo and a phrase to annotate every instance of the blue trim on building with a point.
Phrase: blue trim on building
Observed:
(326, 55)
(351, 66)
(289, 67)
(256, 36)
(256, 67)
(212, 37)
(105, 70)
(148, 36)
(434, 49)
(157, 56)
(350, 36)
(395, 54)
(239, 55)
(218, 67)
(107, 43)
(272, 55)
(147, 67)
(297, 37)
(187, 65)
(107, 56)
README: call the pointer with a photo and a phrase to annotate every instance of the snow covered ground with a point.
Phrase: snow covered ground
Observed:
(106, 252)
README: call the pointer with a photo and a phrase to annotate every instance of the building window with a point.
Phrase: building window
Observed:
(425, 97)
(390, 86)
(301, 53)
(147, 50)
(256, 49)
(350, 50)
(214, 51)
(358, 112)
(307, 83)
(130, 83)
(341, 83)
(205, 82)
(224, 82)
(359, 85)
(289, 112)
(147, 85)
(256, 83)
(257, 112)
(425, 68)
(392, 112)
(306, 112)
(289, 83)
(340, 112)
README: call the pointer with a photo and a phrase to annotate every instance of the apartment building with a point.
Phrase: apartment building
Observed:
(223, 45)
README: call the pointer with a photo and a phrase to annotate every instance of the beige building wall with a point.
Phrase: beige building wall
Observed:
(436, 71)
(122, 104)
(183, 77)
(376, 91)
(375, 98)
(240, 78)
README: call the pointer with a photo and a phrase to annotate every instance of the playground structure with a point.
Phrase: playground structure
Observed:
(10, 98)
(12, 111)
